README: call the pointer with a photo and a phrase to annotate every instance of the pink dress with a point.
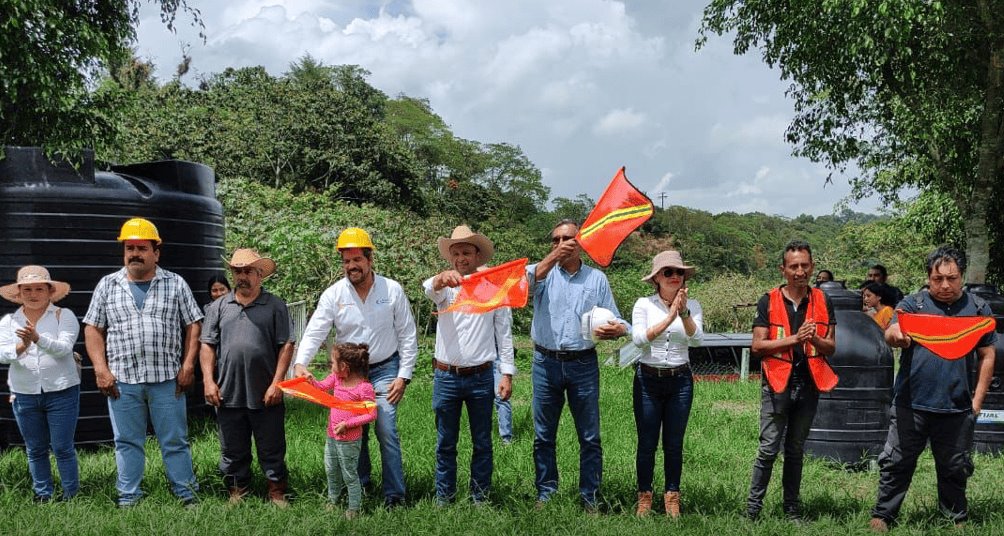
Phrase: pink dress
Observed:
(353, 421)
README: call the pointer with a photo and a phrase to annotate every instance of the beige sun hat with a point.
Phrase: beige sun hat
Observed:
(34, 274)
(248, 257)
(669, 259)
(464, 235)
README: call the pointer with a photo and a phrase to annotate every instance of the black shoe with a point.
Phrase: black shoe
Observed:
(752, 514)
(393, 502)
(42, 499)
(190, 502)
(794, 515)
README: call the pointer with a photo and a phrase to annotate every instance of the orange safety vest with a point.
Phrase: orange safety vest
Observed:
(777, 367)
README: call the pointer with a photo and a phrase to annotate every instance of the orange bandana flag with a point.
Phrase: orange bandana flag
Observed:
(302, 388)
(620, 210)
(502, 286)
(950, 337)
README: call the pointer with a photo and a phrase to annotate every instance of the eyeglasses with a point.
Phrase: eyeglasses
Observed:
(670, 272)
(245, 270)
(559, 239)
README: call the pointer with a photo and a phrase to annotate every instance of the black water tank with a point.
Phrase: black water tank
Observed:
(989, 436)
(67, 219)
(852, 421)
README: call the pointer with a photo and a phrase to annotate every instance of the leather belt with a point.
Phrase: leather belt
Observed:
(664, 372)
(462, 371)
(565, 355)
(374, 366)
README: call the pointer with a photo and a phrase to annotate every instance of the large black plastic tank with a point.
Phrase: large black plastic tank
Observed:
(852, 421)
(989, 435)
(68, 219)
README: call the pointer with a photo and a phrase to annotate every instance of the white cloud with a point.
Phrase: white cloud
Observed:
(617, 122)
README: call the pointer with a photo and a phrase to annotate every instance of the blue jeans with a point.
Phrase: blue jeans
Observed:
(449, 393)
(341, 460)
(128, 414)
(503, 408)
(48, 421)
(580, 379)
(386, 431)
(661, 404)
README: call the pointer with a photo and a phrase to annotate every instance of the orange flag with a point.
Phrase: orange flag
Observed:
(502, 286)
(620, 210)
(302, 388)
(950, 337)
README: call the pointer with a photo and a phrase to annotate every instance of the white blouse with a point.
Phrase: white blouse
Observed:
(47, 365)
(669, 348)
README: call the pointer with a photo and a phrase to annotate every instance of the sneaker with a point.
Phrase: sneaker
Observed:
(393, 502)
(351, 514)
(237, 495)
(877, 524)
(124, 504)
(190, 503)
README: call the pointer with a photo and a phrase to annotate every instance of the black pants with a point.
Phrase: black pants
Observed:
(951, 437)
(237, 426)
(785, 418)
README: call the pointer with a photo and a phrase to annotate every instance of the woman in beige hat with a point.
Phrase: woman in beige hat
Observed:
(664, 325)
(37, 342)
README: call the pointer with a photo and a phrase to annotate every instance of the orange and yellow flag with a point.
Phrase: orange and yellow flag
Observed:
(302, 388)
(502, 286)
(950, 337)
(620, 210)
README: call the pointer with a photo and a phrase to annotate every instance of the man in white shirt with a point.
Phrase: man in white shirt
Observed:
(466, 348)
(364, 307)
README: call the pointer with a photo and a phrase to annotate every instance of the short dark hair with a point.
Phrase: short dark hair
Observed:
(796, 245)
(944, 254)
(883, 291)
(881, 269)
(356, 356)
(217, 278)
(821, 272)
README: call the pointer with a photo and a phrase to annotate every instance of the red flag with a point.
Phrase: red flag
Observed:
(302, 388)
(950, 337)
(620, 210)
(502, 286)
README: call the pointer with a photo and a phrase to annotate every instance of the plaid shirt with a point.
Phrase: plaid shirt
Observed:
(143, 346)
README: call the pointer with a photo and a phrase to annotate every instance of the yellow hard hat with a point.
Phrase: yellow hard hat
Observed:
(354, 237)
(139, 229)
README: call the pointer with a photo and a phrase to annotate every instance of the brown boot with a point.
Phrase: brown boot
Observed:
(644, 503)
(277, 493)
(672, 499)
(237, 495)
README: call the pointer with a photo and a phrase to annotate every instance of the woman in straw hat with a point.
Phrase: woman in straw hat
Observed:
(664, 324)
(37, 341)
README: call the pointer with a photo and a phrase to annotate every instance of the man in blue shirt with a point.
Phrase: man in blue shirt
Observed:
(564, 362)
(933, 399)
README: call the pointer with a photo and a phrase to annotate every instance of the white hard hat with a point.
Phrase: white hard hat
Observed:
(592, 319)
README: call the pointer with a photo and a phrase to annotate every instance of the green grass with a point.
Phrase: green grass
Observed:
(720, 445)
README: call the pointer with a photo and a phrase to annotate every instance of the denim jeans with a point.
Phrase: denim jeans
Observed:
(785, 418)
(237, 427)
(167, 412)
(661, 404)
(580, 380)
(951, 437)
(503, 408)
(449, 394)
(48, 421)
(386, 431)
(341, 460)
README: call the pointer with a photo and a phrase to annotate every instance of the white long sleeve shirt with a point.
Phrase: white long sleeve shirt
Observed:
(468, 340)
(384, 322)
(669, 348)
(46, 365)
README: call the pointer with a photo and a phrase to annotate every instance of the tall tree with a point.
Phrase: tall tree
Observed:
(905, 93)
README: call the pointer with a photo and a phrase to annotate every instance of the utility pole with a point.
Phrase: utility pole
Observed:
(662, 201)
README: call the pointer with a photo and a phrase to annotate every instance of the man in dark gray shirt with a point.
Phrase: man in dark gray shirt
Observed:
(246, 349)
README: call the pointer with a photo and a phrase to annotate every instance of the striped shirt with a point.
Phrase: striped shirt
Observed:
(143, 346)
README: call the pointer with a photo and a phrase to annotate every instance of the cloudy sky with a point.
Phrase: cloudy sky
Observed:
(583, 86)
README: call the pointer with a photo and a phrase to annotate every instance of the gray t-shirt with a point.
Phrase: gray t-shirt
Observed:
(247, 341)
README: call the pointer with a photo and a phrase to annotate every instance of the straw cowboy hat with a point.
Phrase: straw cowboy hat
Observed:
(669, 259)
(34, 274)
(248, 257)
(463, 235)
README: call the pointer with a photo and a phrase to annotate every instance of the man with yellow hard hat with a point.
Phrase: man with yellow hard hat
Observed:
(364, 307)
(143, 362)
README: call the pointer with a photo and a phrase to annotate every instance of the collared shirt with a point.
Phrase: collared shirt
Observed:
(384, 322)
(143, 346)
(248, 340)
(468, 340)
(670, 347)
(560, 300)
(46, 365)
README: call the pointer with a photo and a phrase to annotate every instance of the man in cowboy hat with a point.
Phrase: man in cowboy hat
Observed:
(563, 289)
(133, 334)
(364, 307)
(246, 349)
(466, 348)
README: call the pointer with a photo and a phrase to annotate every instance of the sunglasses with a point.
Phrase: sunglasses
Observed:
(670, 272)
(245, 270)
(560, 239)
